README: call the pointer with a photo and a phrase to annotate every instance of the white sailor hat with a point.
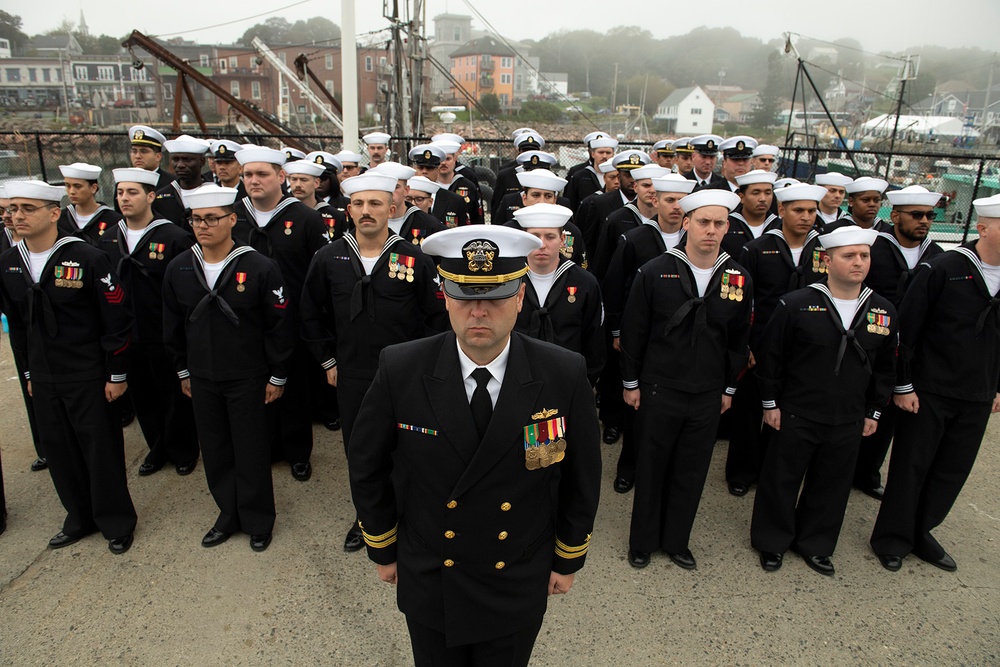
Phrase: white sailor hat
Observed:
(543, 216)
(607, 166)
(848, 235)
(756, 176)
(683, 145)
(739, 147)
(481, 261)
(223, 149)
(34, 189)
(593, 135)
(664, 147)
(249, 146)
(134, 175)
(543, 179)
(529, 140)
(143, 135)
(702, 198)
(765, 149)
(674, 183)
(376, 138)
(536, 159)
(603, 141)
(707, 144)
(261, 154)
(986, 207)
(866, 183)
(398, 171)
(306, 167)
(800, 192)
(521, 130)
(83, 171)
(292, 154)
(3, 191)
(649, 171)
(833, 178)
(370, 180)
(447, 146)
(346, 156)
(328, 160)
(914, 195)
(785, 182)
(631, 159)
(448, 136)
(186, 144)
(210, 195)
(423, 184)
(428, 155)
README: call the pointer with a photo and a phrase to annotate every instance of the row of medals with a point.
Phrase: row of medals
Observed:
(878, 329)
(397, 270)
(732, 293)
(542, 456)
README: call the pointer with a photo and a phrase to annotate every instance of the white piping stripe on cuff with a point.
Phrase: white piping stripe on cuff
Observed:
(329, 363)
(903, 389)
(630, 384)
(184, 374)
(616, 333)
(119, 378)
(769, 405)
(730, 391)
(278, 382)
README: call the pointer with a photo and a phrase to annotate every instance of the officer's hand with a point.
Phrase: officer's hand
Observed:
(617, 344)
(29, 388)
(272, 393)
(559, 584)
(870, 426)
(909, 402)
(186, 387)
(996, 403)
(387, 573)
(114, 390)
(751, 362)
(632, 398)
(772, 418)
(331, 376)
(727, 402)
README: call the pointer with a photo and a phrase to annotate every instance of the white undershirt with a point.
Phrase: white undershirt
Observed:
(671, 239)
(846, 309)
(830, 217)
(395, 224)
(757, 230)
(83, 220)
(369, 264)
(132, 237)
(212, 272)
(38, 260)
(542, 284)
(796, 255)
(911, 255)
(497, 368)
(701, 278)
(992, 274)
(262, 217)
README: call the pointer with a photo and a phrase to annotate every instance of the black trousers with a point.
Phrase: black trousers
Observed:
(28, 405)
(609, 386)
(822, 454)
(290, 422)
(430, 648)
(165, 414)
(748, 435)
(81, 433)
(678, 436)
(350, 393)
(235, 450)
(871, 456)
(934, 453)
(628, 457)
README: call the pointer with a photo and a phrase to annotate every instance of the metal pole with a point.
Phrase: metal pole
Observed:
(975, 194)
(899, 108)
(349, 74)
(791, 110)
(41, 157)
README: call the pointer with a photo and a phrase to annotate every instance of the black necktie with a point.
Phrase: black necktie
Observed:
(482, 405)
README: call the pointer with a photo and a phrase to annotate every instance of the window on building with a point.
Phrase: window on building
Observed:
(203, 60)
(694, 124)
(457, 34)
(58, 74)
(329, 61)
(139, 74)
(105, 73)
(507, 62)
(13, 73)
(234, 62)
(519, 82)
(234, 88)
(381, 61)
(223, 66)
(369, 65)
(329, 86)
(504, 100)
(695, 112)
(46, 75)
(79, 73)
(32, 75)
(255, 90)
(168, 91)
(505, 78)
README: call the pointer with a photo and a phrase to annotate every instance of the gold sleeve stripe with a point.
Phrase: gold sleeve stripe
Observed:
(380, 545)
(565, 551)
(380, 541)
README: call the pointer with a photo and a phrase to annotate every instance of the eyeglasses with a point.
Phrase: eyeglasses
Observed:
(208, 220)
(419, 200)
(920, 215)
(27, 209)
(765, 159)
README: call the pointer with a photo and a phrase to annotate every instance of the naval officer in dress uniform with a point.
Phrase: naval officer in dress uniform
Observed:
(499, 438)
(146, 152)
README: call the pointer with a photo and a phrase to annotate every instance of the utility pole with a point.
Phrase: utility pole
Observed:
(614, 91)
(418, 51)
(349, 74)
(904, 77)
(986, 102)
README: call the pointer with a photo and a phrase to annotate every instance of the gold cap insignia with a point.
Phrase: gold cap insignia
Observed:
(480, 254)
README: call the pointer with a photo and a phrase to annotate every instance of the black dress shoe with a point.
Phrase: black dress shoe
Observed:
(820, 564)
(623, 485)
(63, 540)
(39, 464)
(638, 559)
(147, 469)
(120, 545)
(302, 471)
(770, 561)
(185, 469)
(890, 562)
(354, 540)
(260, 542)
(332, 425)
(611, 435)
(684, 559)
(214, 537)
(876, 492)
(738, 488)
(945, 562)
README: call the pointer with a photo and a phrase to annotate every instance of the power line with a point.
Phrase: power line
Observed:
(245, 18)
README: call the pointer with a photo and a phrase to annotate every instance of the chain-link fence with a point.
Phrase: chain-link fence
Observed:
(960, 176)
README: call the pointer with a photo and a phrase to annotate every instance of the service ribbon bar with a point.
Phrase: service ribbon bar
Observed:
(416, 429)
